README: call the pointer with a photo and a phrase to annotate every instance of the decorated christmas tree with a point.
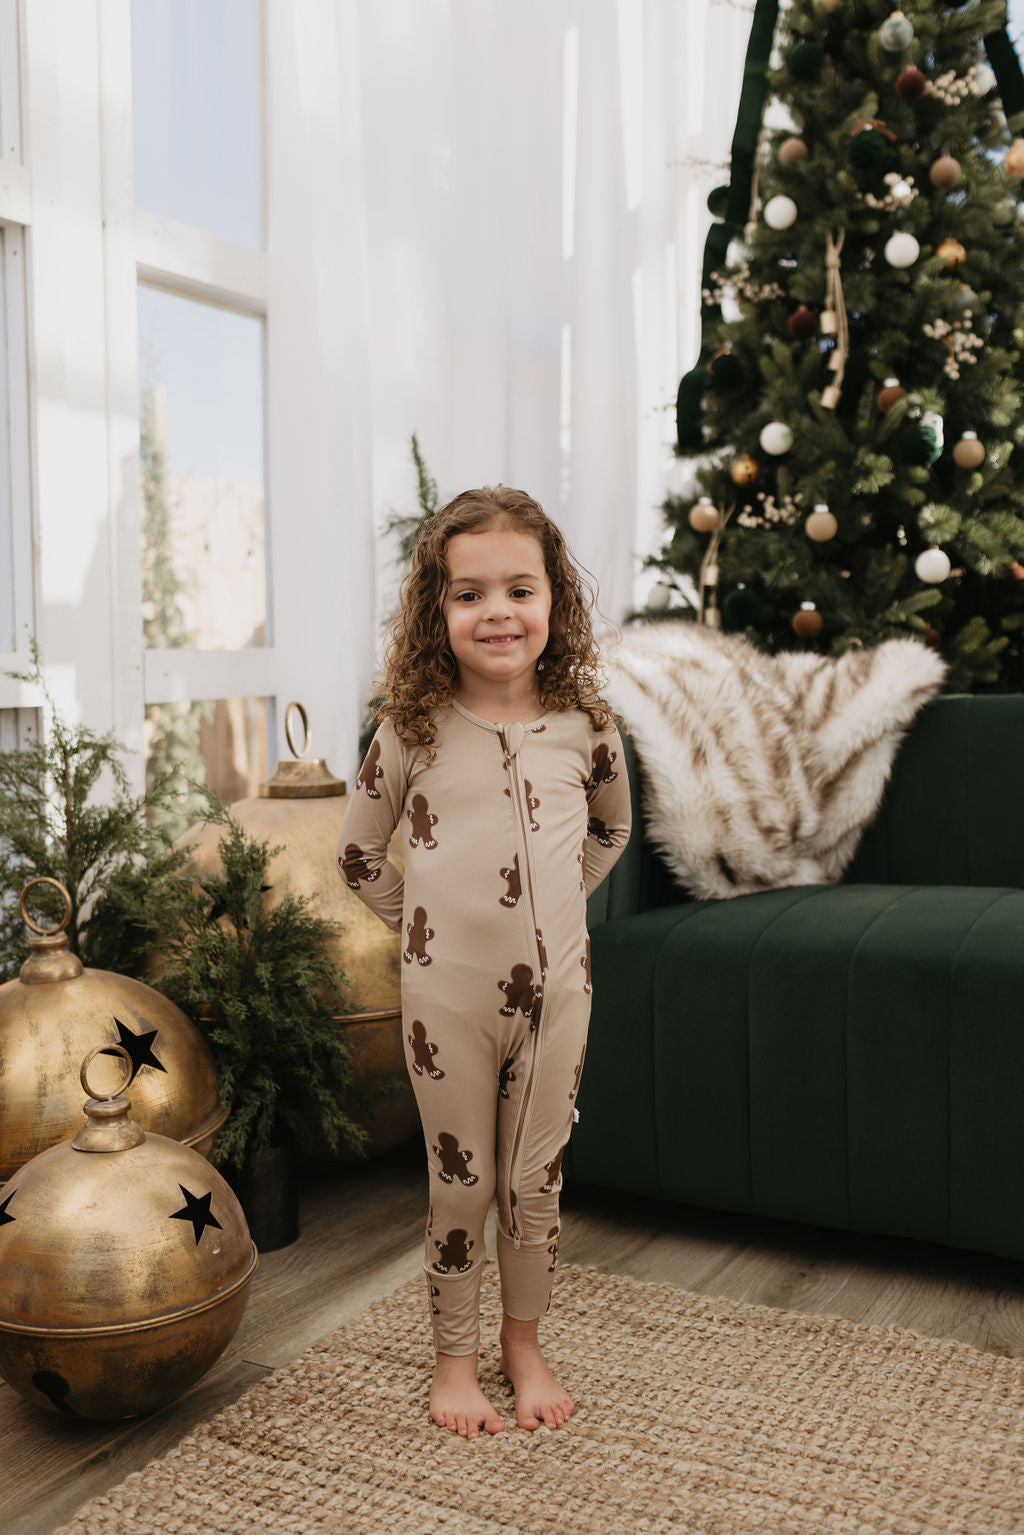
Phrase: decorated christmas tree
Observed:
(853, 431)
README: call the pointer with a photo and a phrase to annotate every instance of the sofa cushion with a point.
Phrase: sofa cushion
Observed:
(847, 1055)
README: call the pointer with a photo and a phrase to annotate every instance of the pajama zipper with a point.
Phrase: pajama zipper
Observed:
(514, 765)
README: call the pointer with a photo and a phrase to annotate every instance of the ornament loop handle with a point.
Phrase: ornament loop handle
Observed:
(45, 879)
(289, 735)
(126, 1061)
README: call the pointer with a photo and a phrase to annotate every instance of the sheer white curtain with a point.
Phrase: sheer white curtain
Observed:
(494, 211)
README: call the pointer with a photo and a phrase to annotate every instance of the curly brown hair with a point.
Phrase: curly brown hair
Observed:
(420, 671)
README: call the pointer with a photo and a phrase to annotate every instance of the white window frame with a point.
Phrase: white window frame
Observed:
(15, 218)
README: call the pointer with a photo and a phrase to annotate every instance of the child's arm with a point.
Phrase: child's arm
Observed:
(373, 812)
(610, 814)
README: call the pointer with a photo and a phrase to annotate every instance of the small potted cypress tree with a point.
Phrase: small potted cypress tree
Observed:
(261, 984)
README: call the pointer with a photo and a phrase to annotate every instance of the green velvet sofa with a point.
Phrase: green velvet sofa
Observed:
(848, 1055)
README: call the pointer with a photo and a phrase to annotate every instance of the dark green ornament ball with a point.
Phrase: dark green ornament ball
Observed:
(918, 444)
(741, 608)
(804, 60)
(867, 148)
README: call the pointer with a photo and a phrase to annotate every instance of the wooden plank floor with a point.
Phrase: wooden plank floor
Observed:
(361, 1236)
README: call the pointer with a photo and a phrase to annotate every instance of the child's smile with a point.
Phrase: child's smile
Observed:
(497, 608)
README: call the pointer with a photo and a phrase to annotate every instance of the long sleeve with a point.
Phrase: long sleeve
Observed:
(610, 813)
(373, 812)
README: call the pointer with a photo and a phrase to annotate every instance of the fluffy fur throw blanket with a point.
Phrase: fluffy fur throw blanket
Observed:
(762, 771)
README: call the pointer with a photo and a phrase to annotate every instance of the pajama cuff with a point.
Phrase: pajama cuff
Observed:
(527, 1275)
(455, 1310)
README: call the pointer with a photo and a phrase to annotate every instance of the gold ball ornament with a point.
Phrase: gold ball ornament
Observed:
(969, 453)
(945, 172)
(828, 6)
(704, 516)
(952, 253)
(792, 151)
(891, 391)
(821, 525)
(126, 1261)
(55, 1010)
(808, 622)
(1014, 158)
(744, 470)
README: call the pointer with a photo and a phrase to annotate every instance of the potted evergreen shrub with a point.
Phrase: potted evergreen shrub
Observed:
(262, 986)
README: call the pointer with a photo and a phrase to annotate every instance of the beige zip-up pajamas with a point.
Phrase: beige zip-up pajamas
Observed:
(506, 833)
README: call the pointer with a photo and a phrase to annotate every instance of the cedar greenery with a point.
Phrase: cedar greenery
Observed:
(67, 811)
(261, 985)
(952, 335)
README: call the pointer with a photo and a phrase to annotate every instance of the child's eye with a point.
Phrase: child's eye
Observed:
(467, 597)
(522, 591)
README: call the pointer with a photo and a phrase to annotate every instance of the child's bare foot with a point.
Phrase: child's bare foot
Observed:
(456, 1401)
(539, 1397)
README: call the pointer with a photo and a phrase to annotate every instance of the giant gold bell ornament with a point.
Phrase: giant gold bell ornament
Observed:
(126, 1264)
(55, 1011)
(301, 807)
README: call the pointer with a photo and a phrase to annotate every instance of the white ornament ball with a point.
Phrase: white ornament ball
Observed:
(933, 566)
(821, 525)
(737, 253)
(776, 437)
(901, 249)
(981, 79)
(659, 597)
(901, 191)
(896, 33)
(780, 212)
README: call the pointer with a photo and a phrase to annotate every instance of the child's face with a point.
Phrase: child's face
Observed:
(497, 606)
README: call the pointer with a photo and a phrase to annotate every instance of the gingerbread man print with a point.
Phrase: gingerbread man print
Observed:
(423, 822)
(585, 962)
(370, 771)
(353, 866)
(419, 936)
(423, 1052)
(597, 829)
(454, 1253)
(553, 1249)
(601, 767)
(521, 994)
(543, 953)
(453, 1161)
(506, 1075)
(515, 889)
(532, 803)
(554, 1172)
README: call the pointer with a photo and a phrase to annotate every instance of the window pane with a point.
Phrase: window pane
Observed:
(204, 565)
(220, 743)
(7, 641)
(197, 92)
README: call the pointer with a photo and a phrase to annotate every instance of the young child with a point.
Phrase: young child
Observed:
(502, 766)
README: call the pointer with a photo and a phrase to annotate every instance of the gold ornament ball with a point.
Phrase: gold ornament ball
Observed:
(808, 623)
(953, 254)
(1014, 161)
(821, 525)
(891, 391)
(791, 151)
(969, 453)
(704, 516)
(828, 6)
(745, 470)
(945, 172)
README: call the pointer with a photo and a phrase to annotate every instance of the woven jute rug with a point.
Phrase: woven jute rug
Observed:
(693, 1414)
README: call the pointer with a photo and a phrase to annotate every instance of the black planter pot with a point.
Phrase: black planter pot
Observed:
(268, 1191)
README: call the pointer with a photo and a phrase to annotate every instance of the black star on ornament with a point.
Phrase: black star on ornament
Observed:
(196, 1210)
(4, 1217)
(139, 1047)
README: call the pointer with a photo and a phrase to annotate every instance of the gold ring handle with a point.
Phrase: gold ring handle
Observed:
(289, 735)
(83, 1075)
(44, 879)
